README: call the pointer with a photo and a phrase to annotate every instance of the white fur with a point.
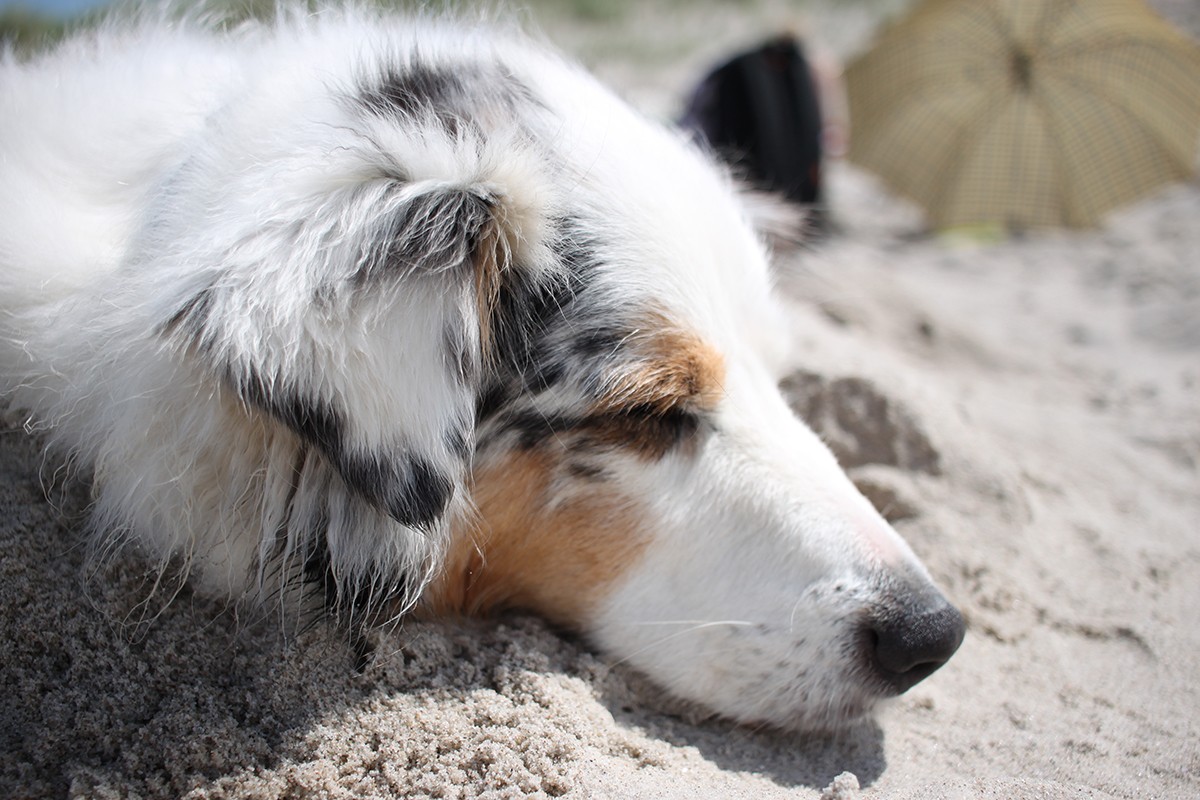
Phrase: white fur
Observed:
(149, 165)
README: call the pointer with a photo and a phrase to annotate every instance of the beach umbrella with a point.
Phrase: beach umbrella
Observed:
(1026, 113)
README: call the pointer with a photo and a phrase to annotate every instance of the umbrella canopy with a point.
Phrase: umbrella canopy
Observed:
(1026, 113)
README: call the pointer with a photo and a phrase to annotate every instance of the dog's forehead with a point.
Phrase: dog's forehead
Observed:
(671, 231)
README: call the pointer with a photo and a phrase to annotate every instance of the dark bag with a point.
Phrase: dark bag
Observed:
(759, 112)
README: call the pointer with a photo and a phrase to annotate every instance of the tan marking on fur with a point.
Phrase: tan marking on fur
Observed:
(501, 238)
(492, 256)
(543, 542)
(673, 368)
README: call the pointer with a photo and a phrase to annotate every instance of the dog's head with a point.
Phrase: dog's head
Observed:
(493, 340)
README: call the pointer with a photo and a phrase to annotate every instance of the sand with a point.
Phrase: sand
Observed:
(1028, 414)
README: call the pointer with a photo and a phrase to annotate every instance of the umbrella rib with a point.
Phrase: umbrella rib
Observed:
(1046, 25)
(1069, 166)
(969, 139)
(1111, 42)
(1084, 87)
(1001, 22)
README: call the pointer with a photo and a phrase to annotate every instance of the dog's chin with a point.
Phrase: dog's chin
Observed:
(857, 706)
(854, 704)
(850, 713)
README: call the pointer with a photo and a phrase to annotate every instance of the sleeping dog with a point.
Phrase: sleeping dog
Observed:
(376, 315)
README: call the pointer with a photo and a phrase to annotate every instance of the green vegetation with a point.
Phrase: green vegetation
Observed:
(28, 30)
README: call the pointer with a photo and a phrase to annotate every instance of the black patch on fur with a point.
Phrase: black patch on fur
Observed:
(412, 90)
(655, 434)
(452, 97)
(526, 318)
(458, 441)
(492, 399)
(533, 428)
(421, 90)
(587, 472)
(569, 332)
(318, 565)
(363, 649)
(527, 313)
(640, 429)
(357, 603)
(434, 233)
(600, 341)
(320, 424)
(407, 487)
(192, 318)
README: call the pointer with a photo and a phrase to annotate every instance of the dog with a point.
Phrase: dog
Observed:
(378, 315)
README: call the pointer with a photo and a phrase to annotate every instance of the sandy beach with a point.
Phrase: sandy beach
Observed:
(1027, 413)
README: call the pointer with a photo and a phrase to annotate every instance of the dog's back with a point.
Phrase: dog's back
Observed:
(84, 136)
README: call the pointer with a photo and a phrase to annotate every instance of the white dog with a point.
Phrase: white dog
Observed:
(395, 314)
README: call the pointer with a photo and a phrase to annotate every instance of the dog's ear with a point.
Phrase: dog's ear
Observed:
(362, 326)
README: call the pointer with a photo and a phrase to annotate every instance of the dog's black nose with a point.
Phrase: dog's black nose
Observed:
(907, 648)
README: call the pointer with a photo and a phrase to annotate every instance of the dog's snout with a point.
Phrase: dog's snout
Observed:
(906, 649)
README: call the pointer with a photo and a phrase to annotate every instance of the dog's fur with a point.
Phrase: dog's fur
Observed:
(395, 313)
